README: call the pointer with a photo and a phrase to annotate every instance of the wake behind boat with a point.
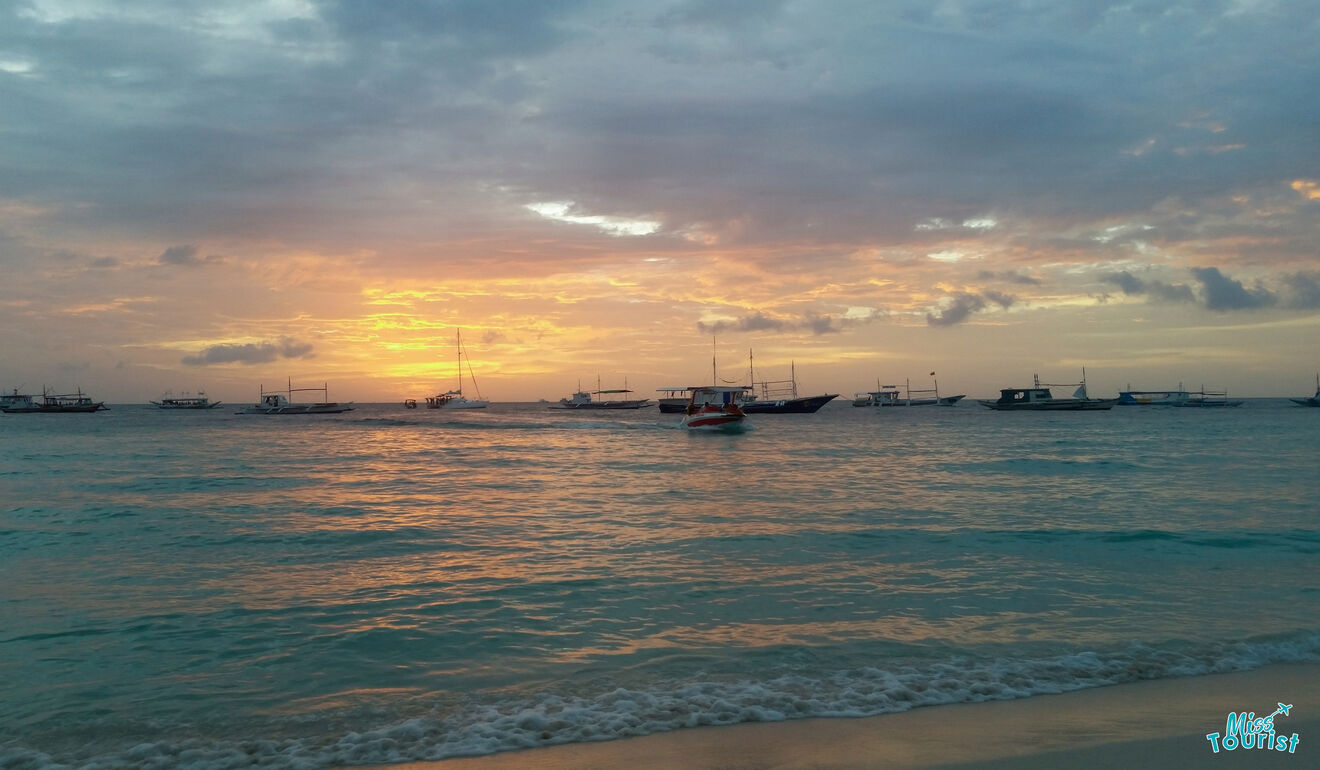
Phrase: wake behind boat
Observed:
(281, 402)
(1039, 399)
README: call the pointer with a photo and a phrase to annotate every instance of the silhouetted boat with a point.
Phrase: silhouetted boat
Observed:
(49, 403)
(889, 395)
(199, 401)
(779, 396)
(454, 399)
(1313, 400)
(583, 399)
(1039, 399)
(280, 402)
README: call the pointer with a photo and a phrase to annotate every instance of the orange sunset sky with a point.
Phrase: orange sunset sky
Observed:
(217, 197)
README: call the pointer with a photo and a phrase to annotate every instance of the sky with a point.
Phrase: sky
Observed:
(222, 196)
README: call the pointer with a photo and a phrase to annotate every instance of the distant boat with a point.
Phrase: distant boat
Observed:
(453, 399)
(49, 403)
(280, 402)
(1207, 399)
(1153, 397)
(714, 408)
(583, 399)
(779, 396)
(889, 395)
(199, 401)
(1313, 400)
(1039, 399)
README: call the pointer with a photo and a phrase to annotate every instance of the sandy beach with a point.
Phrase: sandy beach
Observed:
(1153, 724)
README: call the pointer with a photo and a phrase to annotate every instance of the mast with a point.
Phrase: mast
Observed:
(714, 376)
(458, 350)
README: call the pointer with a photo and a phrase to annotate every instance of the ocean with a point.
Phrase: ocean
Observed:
(213, 590)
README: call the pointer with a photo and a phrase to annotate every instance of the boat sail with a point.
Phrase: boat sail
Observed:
(1313, 400)
(454, 399)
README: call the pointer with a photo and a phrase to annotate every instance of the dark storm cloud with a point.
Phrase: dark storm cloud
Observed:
(966, 304)
(251, 353)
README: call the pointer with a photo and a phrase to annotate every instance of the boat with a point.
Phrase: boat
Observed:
(1153, 397)
(1313, 400)
(454, 399)
(1038, 398)
(670, 402)
(583, 399)
(199, 401)
(714, 408)
(1207, 399)
(281, 402)
(779, 396)
(49, 403)
(889, 395)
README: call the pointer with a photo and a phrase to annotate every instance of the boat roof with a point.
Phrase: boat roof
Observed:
(719, 388)
(617, 390)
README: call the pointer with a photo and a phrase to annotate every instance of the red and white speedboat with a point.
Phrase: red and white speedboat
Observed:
(714, 408)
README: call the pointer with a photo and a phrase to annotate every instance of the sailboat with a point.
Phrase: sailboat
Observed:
(454, 399)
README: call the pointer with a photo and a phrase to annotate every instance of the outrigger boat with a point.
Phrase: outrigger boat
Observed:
(199, 401)
(1153, 397)
(1313, 400)
(1039, 399)
(280, 402)
(49, 403)
(779, 396)
(1207, 399)
(583, 399)
(889, 395)
(453, 399)
(714, 408)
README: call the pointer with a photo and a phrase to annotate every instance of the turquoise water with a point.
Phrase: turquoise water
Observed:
(210, 590)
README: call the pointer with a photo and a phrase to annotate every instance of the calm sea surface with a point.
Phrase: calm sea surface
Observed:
(210, 590)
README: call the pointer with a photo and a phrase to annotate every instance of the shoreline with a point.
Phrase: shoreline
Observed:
(1156, 723)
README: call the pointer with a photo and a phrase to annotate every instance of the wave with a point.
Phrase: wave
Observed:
(549, 719)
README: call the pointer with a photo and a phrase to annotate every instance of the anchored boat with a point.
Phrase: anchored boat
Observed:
(199, 401)
(1039, 399)
(453, 399)
(1313, 400)
(281, 402)
(49, 403)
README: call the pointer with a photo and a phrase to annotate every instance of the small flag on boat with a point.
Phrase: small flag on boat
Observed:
(932, 374)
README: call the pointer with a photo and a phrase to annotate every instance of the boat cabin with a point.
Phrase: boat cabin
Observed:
(1024, 395)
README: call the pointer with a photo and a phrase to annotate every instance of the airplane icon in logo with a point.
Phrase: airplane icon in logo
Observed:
(1282, 709)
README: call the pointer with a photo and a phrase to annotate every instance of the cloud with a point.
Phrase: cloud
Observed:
(1011, 276)
(251, 353)
(1302, 291)
(965, 304)
(815, 323)
(1222, 293)
(186, 256)
(1132, 285)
